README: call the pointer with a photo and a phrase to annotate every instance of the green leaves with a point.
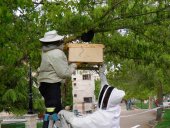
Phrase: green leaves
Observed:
(19, 40)
(141, 54)
(165, 59)
(10, 95)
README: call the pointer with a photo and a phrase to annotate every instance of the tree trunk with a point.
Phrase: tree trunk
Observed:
(160, 102)
(150, 102)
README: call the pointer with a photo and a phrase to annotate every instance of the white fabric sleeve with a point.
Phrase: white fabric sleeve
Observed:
(77, 122)
(68, 116)
(60, 65)
(102, 75)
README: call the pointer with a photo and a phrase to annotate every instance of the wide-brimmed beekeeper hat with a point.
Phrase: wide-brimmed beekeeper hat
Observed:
(51, 36)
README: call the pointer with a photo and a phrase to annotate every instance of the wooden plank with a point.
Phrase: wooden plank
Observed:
(85, 45)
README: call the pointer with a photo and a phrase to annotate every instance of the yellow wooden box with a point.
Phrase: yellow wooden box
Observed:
(85, 53)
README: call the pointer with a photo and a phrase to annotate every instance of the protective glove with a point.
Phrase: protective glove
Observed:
(102, 75)
(74, 65)
(68, 116)
(102, 69)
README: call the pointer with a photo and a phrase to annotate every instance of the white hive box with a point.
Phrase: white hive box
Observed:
(85, 53)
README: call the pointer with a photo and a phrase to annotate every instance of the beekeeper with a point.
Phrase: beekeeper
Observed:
(53, 71)
(108, 112)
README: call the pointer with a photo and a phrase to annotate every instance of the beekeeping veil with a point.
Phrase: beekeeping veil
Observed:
(109, 97)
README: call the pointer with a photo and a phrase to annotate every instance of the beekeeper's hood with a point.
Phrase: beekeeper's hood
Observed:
(109, 97)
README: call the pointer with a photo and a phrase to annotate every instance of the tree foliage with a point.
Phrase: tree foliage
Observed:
(142, 51)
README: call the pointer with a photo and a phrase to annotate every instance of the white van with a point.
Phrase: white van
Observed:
(166, 103)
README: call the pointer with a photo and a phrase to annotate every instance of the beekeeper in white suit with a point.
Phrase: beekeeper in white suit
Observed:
(107, 114)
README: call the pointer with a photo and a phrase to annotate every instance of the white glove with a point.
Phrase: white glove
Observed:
(61, 112)
(67, 115)
(102, 75)
(74, 65)
(102, 69)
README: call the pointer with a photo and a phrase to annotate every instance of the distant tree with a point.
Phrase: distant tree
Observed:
(97, 88)
(19, 48)
(67, 96)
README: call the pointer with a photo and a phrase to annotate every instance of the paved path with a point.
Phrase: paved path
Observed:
(136, 118)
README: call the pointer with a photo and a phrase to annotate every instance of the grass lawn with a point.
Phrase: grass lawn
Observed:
(143, 105)
(39, 125)
(165, 123)
(14, 125)
(18, 125)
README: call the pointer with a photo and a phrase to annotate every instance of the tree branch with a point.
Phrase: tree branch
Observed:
(38, 2)
(123, 56)
(140, 32)
(142, 14)
(125, 25)
(42, 2)
(105, 14)
(71, 38)
(111, 9)
(129, 17)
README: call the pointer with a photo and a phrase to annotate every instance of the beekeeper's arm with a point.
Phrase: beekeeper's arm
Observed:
(60, 65)
(94, 120)
(67, 115)
(102, 75)
(76, 122)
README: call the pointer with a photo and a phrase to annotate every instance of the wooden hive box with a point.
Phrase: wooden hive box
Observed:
(85, 53)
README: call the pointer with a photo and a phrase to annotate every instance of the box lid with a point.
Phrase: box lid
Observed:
(85, 45)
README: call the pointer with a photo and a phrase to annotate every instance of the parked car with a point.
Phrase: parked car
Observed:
(166, 103)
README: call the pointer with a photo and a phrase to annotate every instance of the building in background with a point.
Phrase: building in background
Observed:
(83, 84)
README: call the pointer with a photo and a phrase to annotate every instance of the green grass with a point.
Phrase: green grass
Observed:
(143, 105)
(39, 125)
(14, 125)
(165, 123)
(18, 125)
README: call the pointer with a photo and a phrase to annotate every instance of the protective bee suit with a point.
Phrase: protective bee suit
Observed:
(107, 114)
